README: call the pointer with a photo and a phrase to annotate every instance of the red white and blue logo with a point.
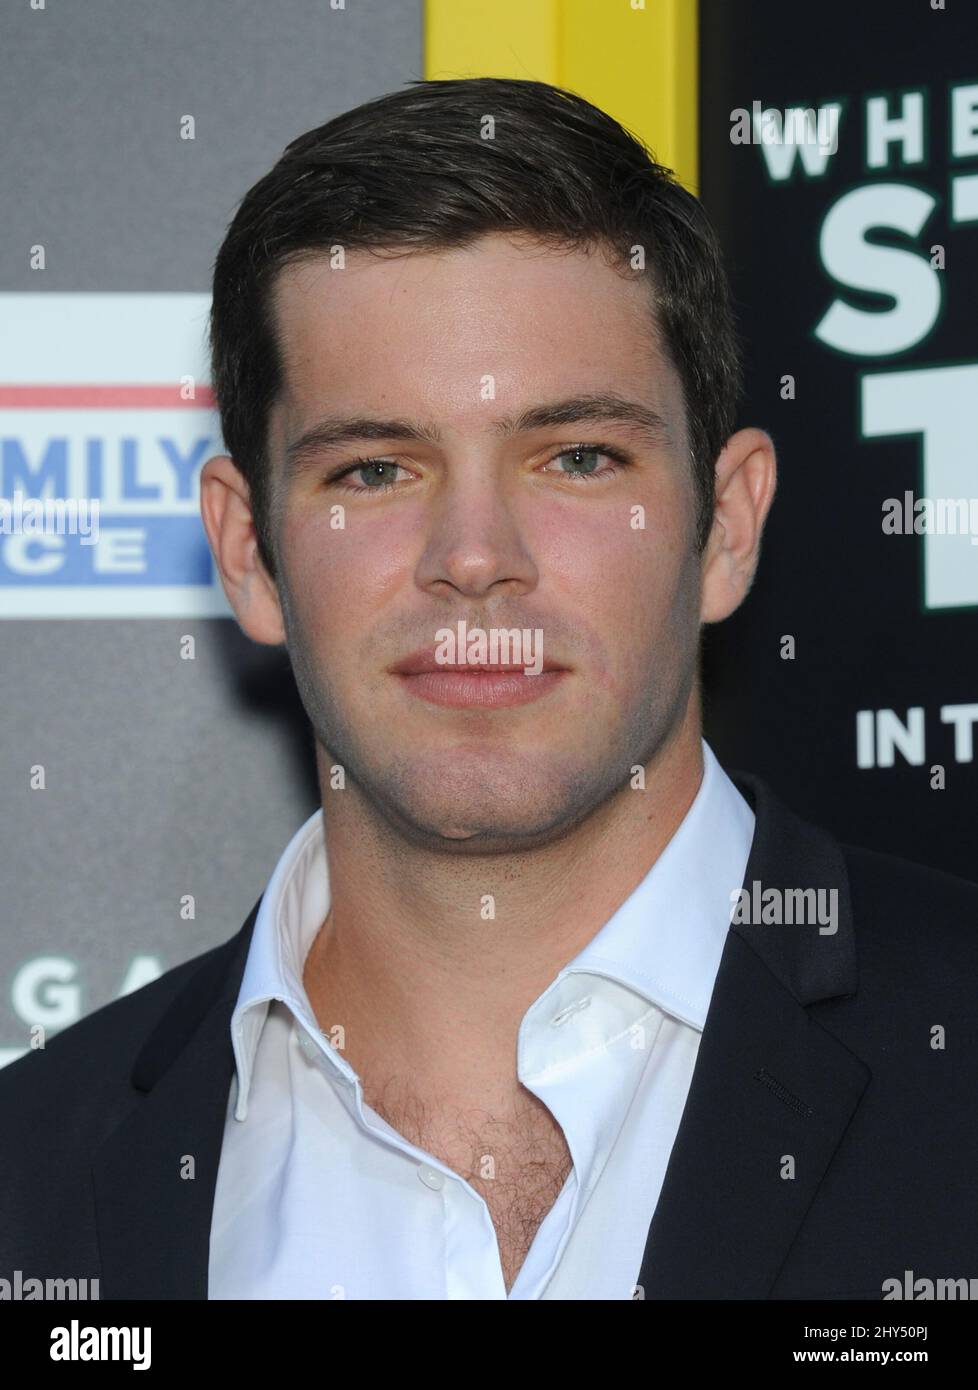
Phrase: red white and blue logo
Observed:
(105, 422)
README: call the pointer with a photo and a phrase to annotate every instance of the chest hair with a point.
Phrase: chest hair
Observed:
(517, 1161)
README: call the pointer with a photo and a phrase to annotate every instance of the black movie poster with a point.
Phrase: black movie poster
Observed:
(839, 160)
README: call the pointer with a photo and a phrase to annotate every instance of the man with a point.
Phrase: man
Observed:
(541, 1003)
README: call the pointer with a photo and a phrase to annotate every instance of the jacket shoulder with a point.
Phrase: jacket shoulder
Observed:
(61, 1102)
(902, 888)
(913, 924)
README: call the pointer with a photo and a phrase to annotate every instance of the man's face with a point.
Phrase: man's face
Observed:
(499, 531)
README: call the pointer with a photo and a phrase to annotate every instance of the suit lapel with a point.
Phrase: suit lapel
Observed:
(154, 1177)
(771, 1086)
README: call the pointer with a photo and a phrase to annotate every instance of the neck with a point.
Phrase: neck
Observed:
(414, 966)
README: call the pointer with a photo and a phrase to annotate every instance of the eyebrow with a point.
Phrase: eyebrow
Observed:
(335, 430)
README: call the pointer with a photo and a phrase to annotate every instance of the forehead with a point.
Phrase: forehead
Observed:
(451, 332)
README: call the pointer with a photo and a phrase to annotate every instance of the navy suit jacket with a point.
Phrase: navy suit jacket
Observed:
(829, 1141)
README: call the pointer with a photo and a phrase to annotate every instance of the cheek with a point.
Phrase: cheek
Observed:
(339, 574)
(624, 583)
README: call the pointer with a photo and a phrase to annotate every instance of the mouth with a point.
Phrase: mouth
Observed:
(485, 685)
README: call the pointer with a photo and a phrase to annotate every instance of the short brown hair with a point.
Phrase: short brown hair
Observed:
(411, 170)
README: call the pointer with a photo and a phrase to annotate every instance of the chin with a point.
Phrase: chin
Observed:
(509, 840)
(485, 802)
(490, 823)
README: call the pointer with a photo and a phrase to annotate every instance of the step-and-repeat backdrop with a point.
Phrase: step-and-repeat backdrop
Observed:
(154, 762)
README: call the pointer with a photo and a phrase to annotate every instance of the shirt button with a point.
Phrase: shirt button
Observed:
(431, 1177)
(574, 1008)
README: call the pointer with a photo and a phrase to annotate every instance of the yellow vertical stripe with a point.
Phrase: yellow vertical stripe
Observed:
(636, 59)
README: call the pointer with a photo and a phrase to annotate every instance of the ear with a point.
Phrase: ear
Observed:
(225, 506)
(746, 475)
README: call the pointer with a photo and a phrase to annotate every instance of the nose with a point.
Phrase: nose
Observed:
(476, 542)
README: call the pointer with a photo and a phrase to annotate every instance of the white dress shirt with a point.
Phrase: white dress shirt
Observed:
(318, 1197)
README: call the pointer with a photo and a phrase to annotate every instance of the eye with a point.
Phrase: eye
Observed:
(584, 458)
(379, 475)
